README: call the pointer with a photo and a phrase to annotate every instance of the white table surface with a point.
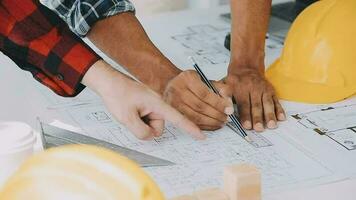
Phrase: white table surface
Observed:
(20, 101)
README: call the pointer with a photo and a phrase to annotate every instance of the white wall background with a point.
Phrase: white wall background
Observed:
(155, 6)
(208, 3)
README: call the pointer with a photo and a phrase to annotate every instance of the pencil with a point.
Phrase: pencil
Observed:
(233, 118)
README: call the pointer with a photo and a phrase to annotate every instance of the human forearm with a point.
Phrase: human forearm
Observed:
(101, 76)
(249, 27)
(123, 38)
(257, 103)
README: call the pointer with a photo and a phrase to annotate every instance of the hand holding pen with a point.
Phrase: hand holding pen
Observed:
(232, 117)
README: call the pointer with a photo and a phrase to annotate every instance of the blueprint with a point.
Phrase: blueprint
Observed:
(336, 122)
(206, 44)
(284, 163)
(199, 164)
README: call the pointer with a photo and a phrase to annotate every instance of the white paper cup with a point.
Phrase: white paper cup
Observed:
(17, 142)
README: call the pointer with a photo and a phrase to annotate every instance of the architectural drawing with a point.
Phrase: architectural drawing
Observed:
(335, 122)
(206, 44)
(257, 140)
(200, 163)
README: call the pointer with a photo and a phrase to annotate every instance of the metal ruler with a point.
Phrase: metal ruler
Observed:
(257, 140)
(53, 136)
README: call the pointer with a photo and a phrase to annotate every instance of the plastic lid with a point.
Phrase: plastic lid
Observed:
(15, 136)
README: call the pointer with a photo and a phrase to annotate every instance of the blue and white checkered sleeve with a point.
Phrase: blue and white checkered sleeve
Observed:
(81, 15)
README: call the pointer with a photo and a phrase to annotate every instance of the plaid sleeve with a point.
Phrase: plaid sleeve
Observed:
(81, 15)
(38, 41)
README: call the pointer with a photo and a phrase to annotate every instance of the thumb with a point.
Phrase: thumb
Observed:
(139, 128)
(155, 122)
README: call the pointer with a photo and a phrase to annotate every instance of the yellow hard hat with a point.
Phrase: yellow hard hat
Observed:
(80, 172)
(318, 62)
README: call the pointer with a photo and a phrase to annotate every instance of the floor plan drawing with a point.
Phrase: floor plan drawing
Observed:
(336, 122)
(206, 43)
(200, 163)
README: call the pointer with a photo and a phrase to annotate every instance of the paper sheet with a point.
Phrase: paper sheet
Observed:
(206, 43)
(337, 122)
(296, 159)
(200, 163)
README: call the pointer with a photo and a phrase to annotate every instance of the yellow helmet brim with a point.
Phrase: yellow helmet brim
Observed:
(291, 89)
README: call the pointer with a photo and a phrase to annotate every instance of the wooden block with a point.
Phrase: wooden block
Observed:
(211, 194)
(242, 182)
(184, 197)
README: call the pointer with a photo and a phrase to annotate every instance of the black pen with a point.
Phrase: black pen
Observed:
(211, 86)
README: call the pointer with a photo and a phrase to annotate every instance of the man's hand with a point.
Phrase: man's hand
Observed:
(188, 94)
(256, 99)
(140, 109)
(255, 96)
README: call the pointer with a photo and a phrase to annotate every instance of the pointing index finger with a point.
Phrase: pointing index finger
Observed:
(170, 114)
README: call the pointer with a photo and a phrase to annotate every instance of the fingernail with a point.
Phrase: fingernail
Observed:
(229, 110)
(259, 127)
(247, 125)
(281, 116)
(272, 124)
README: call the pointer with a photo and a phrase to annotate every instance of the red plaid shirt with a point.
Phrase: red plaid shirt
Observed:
(38, 41)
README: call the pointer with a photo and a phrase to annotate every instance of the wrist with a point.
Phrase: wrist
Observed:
(247, 62)
(160, 74)
(171, 72)
(102, 78)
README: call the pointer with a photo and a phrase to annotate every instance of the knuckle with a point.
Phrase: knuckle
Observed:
(200, 107)
(180, 108)
(172, 89)
(267, 99)
(202, 93)
(256, 105)
(213, 100)
(188, 74)
(176, 104)
(199, 120)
